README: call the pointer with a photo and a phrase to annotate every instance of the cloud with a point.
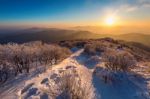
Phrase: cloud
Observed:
(142, 3)
(130, 7)
(146, 5)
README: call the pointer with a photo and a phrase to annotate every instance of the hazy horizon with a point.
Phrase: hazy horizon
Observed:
(104, 16)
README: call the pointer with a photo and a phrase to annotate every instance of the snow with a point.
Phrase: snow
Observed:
(11, 87)
(88, 61)
(53, 75)
(130, 87)
(74, 49)
(125, 88)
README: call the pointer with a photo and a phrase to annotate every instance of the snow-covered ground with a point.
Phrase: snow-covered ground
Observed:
(9, 89)
(133, 87)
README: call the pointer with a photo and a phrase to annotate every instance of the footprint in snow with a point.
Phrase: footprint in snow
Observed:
(27, 88)
(32, 91)
(45, 80)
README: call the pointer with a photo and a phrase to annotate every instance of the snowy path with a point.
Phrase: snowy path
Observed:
(10, 89)
(53, 74)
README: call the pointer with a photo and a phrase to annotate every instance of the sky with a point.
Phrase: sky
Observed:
(74, 12)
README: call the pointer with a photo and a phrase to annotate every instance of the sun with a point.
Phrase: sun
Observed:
(110, 21)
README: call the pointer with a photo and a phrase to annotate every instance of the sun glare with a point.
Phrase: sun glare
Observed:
(110, 21)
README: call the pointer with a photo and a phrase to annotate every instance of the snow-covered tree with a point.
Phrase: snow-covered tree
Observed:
(20, 57)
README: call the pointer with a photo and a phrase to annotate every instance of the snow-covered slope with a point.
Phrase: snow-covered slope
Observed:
(38, 87)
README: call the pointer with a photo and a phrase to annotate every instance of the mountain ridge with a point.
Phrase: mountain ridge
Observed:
(54, 34)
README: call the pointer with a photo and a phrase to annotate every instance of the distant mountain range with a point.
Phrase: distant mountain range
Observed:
(135, 37)
(116, 30)
(54, 34)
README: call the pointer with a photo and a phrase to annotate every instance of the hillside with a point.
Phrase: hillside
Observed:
(47, 35)
(135, 37)
(54, 34)
(86, 73)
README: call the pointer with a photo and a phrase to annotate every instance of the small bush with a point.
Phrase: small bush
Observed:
(94, 48)
(119, 61)
(67, 44)
(4, 71)
(71, 87)
(109, 76)
(105, 75)
(89, 49)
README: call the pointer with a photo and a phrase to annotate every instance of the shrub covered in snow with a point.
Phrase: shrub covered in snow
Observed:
(107, 75)
(95, 47)
(73, 43)
(115, 64)
(71, 87)
(119, 61)
(19, 57)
